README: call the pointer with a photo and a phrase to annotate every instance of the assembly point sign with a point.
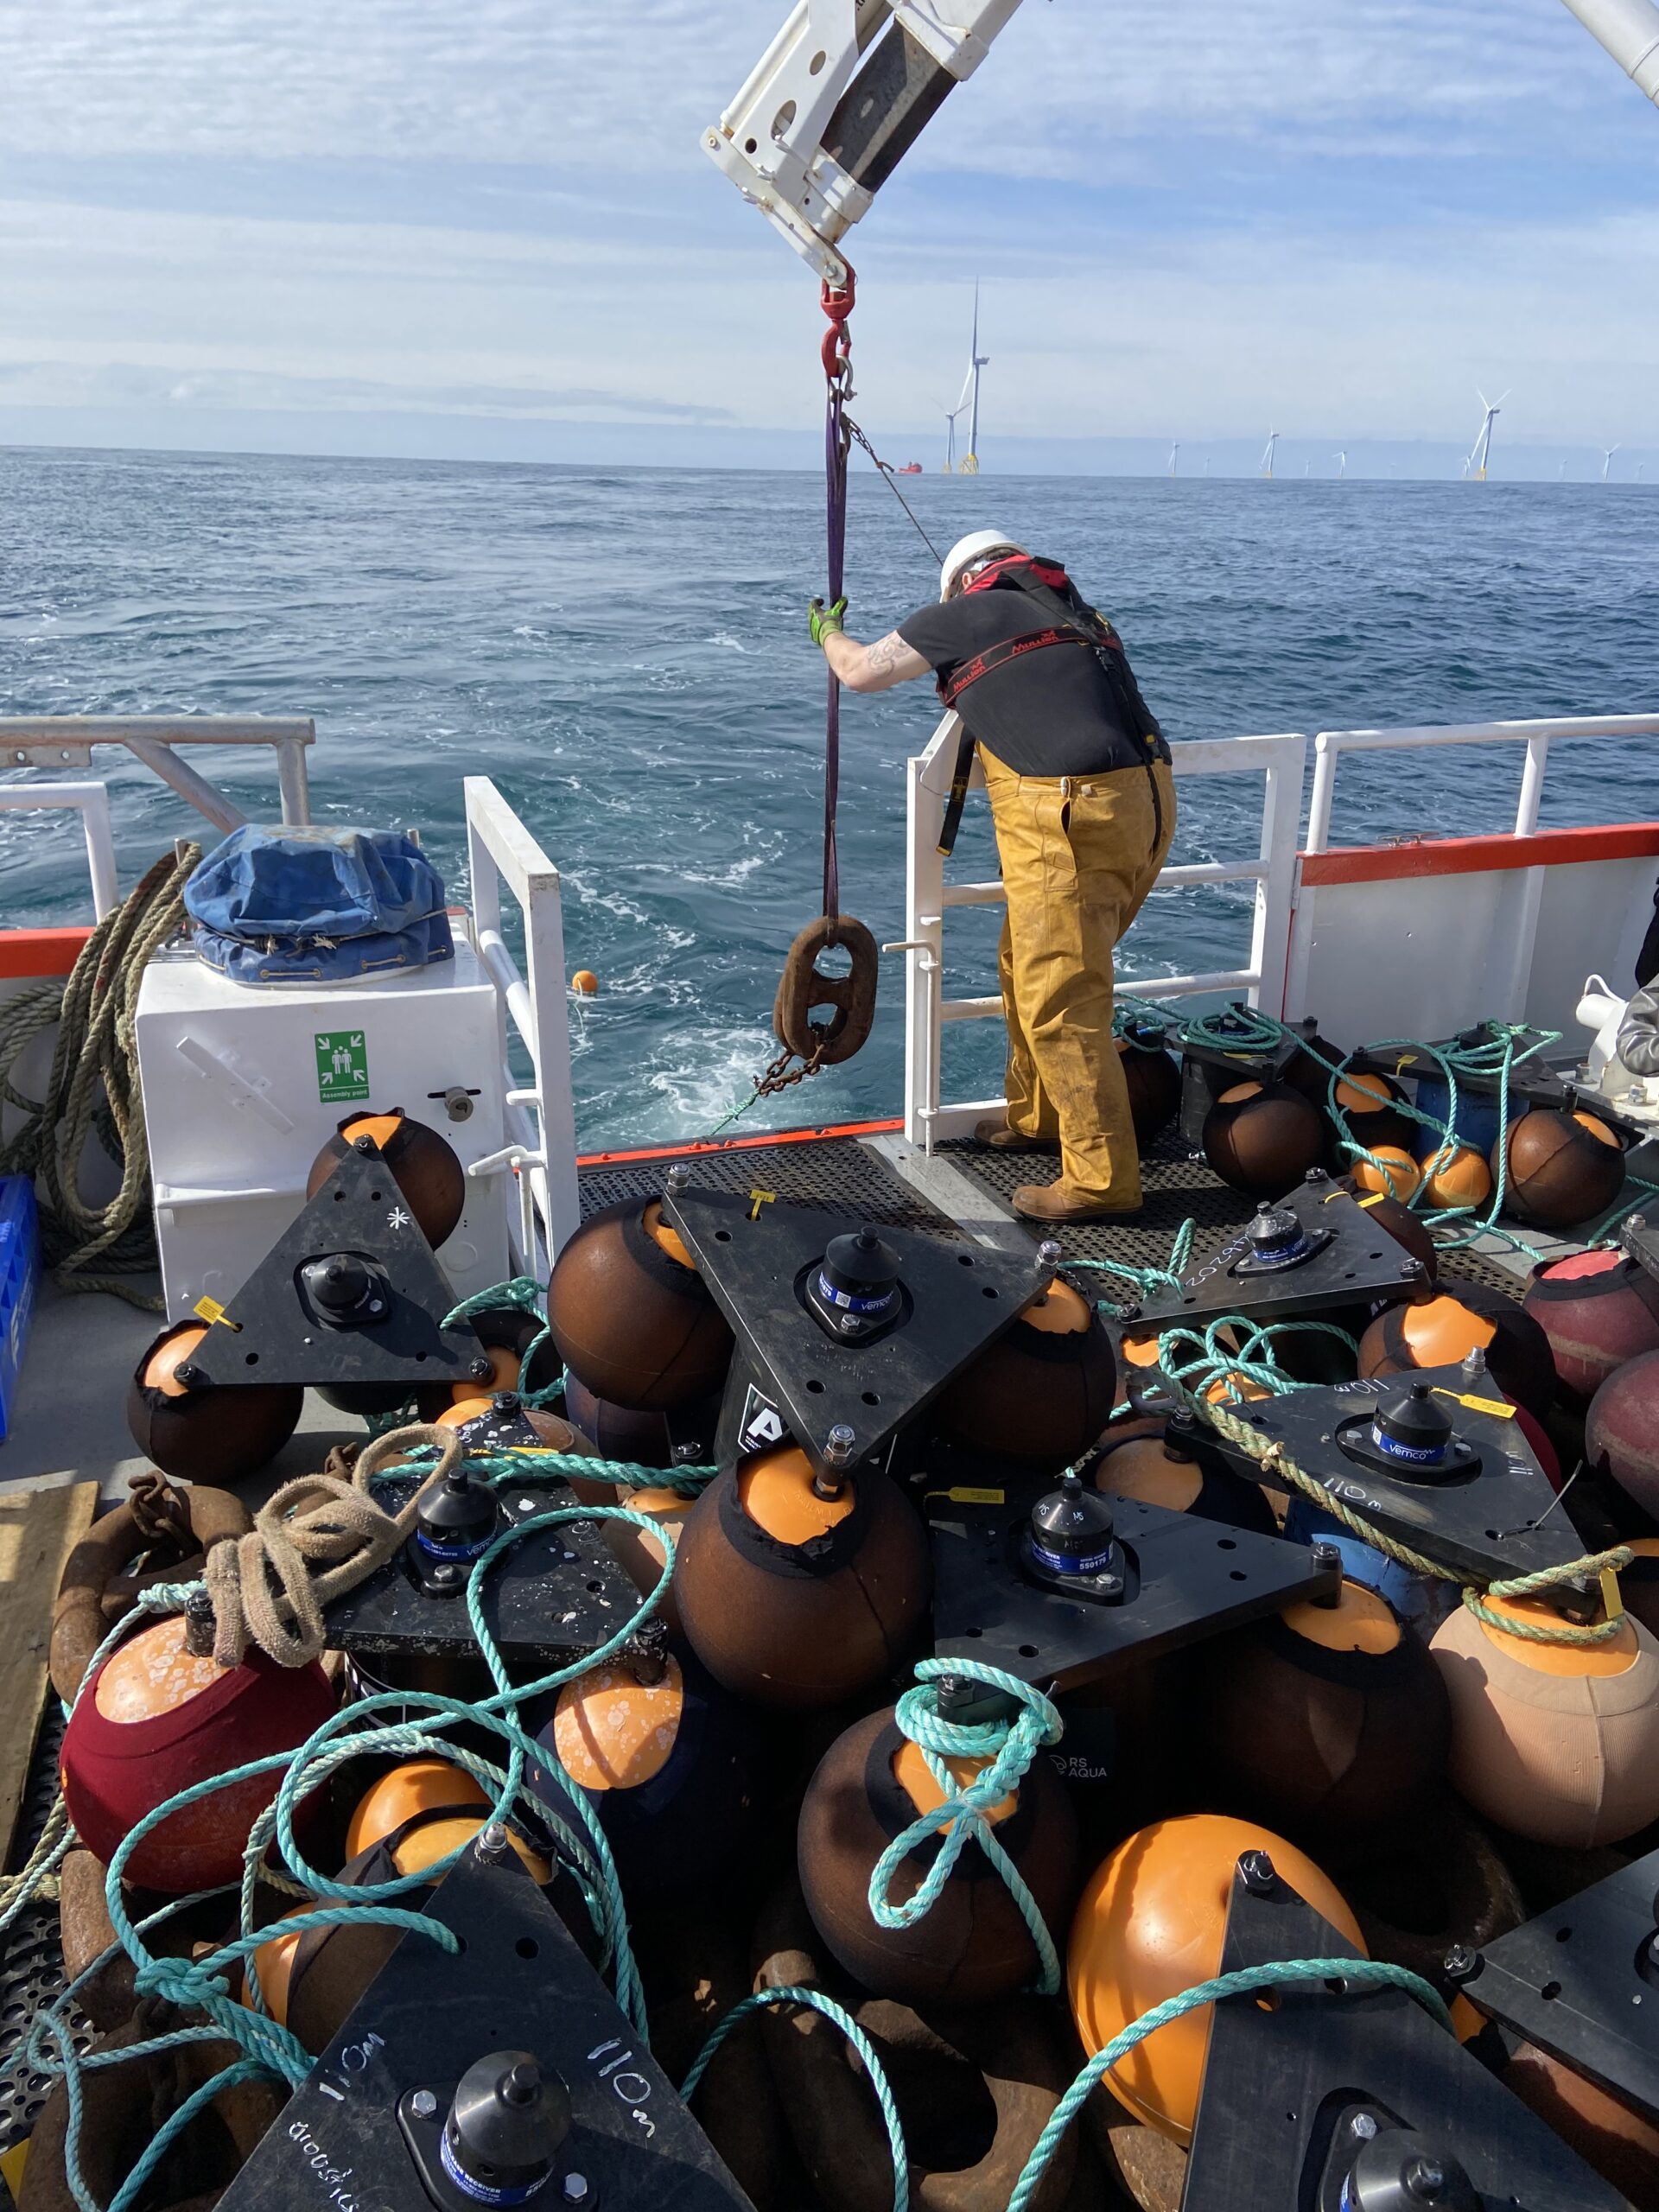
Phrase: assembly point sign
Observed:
(342, 1066)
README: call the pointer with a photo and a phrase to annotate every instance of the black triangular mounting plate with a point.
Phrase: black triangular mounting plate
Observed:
(754, 1256)
(1188, 1578)
(346, 2135)
(266, 1334)
(1360, 1263)
(1482, 1526)
(1582, 1982)
(1281, 2085)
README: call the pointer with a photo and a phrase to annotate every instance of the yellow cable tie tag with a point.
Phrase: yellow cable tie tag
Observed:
(1498, 1408)
(1612, 1598)
(761, 1198)
(967, 1497)
(210, 1309)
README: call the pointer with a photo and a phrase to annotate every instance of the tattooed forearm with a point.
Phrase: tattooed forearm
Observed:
(885, 655)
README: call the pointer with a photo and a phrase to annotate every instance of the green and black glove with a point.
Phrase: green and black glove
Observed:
(823, 620)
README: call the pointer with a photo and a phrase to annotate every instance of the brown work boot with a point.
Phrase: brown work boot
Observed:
(997, 1133)
(1056, 1202)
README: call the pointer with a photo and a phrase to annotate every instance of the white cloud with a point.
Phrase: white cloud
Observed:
(562, 86)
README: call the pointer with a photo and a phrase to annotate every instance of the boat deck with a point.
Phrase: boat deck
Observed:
(70, 1422)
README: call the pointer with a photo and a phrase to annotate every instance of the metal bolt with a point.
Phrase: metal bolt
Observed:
(1635, 1223)
(423, 2104)
(1364, 2125)
(524, 1504)
(188, 1373)
(1461, 1963)
(848, 1324)
(1425, 2179)
(377, 1306)
(492, 1843)
(365, 1145)
(1411, 1269)
(1256, 1871)
(678, 1179)
(479, 1369)
(1109, 1586)
(838, 1445)
(447, 1573)
(1327, 1557)
(1049, 1252)
(576, 2189)
(1474, 1365)
(687, 1455)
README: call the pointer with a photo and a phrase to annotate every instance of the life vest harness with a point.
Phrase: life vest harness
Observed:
(1047, 584)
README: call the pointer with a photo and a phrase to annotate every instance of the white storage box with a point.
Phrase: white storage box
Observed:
(242, 1087)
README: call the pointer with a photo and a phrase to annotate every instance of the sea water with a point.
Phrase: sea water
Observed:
(624, 653)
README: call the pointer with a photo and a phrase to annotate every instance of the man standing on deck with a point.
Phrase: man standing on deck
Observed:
(1082, 799)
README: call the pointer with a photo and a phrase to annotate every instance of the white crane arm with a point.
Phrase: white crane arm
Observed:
(1630, 31)
(842, 92)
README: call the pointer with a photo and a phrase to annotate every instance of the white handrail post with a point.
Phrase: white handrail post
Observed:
(1281, 811)
(1324, 784)
(91, 803)
(923, 979)
(292, 783)
(1532, 786)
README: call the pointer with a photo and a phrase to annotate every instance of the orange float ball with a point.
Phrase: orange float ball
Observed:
(973, 1947)
(631, 1315)
(427, 1174)
(1442, 1330)
(1330, 1720)
(794, 1600)
(1392, 1173)
(1146, 1468)
(1042, 1392)
(1456, 1177)
(421, 1812)
(1263, 1138)
(584, 982)
(1370, 1105)
(1558, 1742)
(1563, 1168)
(157, 1719)
(203, 1432)
(1151, 1923)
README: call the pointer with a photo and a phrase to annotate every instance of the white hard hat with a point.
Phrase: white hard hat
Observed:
(969, 551)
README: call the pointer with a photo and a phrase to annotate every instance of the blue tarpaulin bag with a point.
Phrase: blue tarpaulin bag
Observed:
(317, 906)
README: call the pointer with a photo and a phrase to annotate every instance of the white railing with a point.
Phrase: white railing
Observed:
(541, 1117)
(1331, 744)
(67, 740)
(91, 803)
(1280, 760)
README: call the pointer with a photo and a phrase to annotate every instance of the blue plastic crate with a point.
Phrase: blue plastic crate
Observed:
(20, 1279)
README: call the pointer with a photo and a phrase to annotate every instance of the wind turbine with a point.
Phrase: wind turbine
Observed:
(1482, 452)
(1607, 452)
(1206, 464)
(1640, 466)
(1267, 458)
(1175, 459)
(951, 414)
(976, 361)
(1307, 468)
(1341, 461)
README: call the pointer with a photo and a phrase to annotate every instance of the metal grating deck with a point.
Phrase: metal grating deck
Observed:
(31, 1957)
(827, 1174)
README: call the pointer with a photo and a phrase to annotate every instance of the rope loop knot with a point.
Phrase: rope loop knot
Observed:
(1009, 1743)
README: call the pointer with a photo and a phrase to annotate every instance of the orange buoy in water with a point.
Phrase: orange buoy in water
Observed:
(973, 1947)
(1042, 1392)
(1444, 1328)
(1558, 1742)
(1328, 1720)
(1456, 1176)
(584, 982)
(1597, 1309)
(1563, 1168)
(1371, 1103)
(1151, 1923)
(1263, 1138)
(198, 1430)
(1391, 1172)
(157, 1719)
(794, 1600)
(1621, 1430)
(424, 1167)
(631, 1315)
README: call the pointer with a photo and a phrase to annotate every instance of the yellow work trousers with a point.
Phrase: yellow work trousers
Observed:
(1079, 855)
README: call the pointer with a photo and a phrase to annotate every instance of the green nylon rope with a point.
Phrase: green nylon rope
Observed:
(1009, 1745)
(1237, 1984)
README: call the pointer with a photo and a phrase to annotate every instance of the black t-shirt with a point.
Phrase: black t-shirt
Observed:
(1054, 712)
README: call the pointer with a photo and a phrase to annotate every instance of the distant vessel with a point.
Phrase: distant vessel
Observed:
(910, 469)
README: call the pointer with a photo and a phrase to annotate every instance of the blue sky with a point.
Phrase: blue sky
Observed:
(393, 224)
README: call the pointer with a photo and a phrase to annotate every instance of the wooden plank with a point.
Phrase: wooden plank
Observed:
(39, 1529)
